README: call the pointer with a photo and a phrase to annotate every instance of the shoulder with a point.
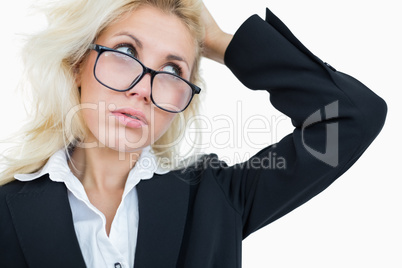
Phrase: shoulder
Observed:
(197, 168)
(10, 188)
(15, 189)
(17, 186)
(7, 190)
(206, 162)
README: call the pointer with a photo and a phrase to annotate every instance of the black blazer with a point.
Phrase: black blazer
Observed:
(197, 217)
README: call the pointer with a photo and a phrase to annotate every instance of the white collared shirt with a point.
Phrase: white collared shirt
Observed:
(98, 249)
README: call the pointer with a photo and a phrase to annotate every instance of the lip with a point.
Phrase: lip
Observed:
(123, 115)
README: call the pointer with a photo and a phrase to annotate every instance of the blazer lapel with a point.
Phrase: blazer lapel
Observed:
(43, 221)
(163, 204)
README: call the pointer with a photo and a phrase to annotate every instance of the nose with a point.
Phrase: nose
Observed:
(142, 89)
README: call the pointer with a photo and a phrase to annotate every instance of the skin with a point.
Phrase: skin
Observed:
(216, 41)
(103, 168)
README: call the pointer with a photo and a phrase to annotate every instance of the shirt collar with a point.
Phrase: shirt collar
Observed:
(59, 171)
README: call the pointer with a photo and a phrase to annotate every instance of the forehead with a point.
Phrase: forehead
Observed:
(156, 30)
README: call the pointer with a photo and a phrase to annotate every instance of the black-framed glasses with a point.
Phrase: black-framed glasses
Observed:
(120, 71)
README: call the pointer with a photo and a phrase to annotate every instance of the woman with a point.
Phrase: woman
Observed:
(97, 183)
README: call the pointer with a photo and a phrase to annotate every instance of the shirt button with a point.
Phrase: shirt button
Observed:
(118, 265)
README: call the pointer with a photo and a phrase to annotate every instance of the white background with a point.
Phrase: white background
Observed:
(357, 221)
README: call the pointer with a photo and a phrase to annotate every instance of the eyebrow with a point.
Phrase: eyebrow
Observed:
(136, 40)
(139, 44)
(177, 58)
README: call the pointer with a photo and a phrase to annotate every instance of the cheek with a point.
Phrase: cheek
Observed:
(85, 79)
(93, 106)
(92, 95)
(92, 111)
(89, 105)
(161, 123)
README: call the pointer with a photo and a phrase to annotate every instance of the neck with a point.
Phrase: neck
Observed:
(102, 168)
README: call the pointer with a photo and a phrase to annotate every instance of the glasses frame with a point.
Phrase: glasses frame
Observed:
(145, 70)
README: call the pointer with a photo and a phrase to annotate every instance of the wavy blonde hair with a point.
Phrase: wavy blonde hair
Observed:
(50, 60)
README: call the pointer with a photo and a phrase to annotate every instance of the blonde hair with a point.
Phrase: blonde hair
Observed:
(50, 61)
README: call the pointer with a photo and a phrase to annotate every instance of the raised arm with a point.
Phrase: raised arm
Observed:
(335, 118)
(215, 41)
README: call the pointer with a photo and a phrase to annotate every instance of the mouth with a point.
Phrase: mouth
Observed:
(130, 117)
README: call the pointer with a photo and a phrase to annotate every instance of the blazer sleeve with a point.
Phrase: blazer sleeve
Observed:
(335, 118)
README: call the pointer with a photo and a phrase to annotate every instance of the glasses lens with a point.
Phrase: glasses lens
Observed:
(170, 92)
(117, 70)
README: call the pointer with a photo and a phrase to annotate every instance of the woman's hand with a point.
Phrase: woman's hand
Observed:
(215, 41)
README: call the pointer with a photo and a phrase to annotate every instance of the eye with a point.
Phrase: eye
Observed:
(127, 49)
(172, 68)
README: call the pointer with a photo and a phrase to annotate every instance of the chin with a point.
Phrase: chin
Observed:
(126, 146)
